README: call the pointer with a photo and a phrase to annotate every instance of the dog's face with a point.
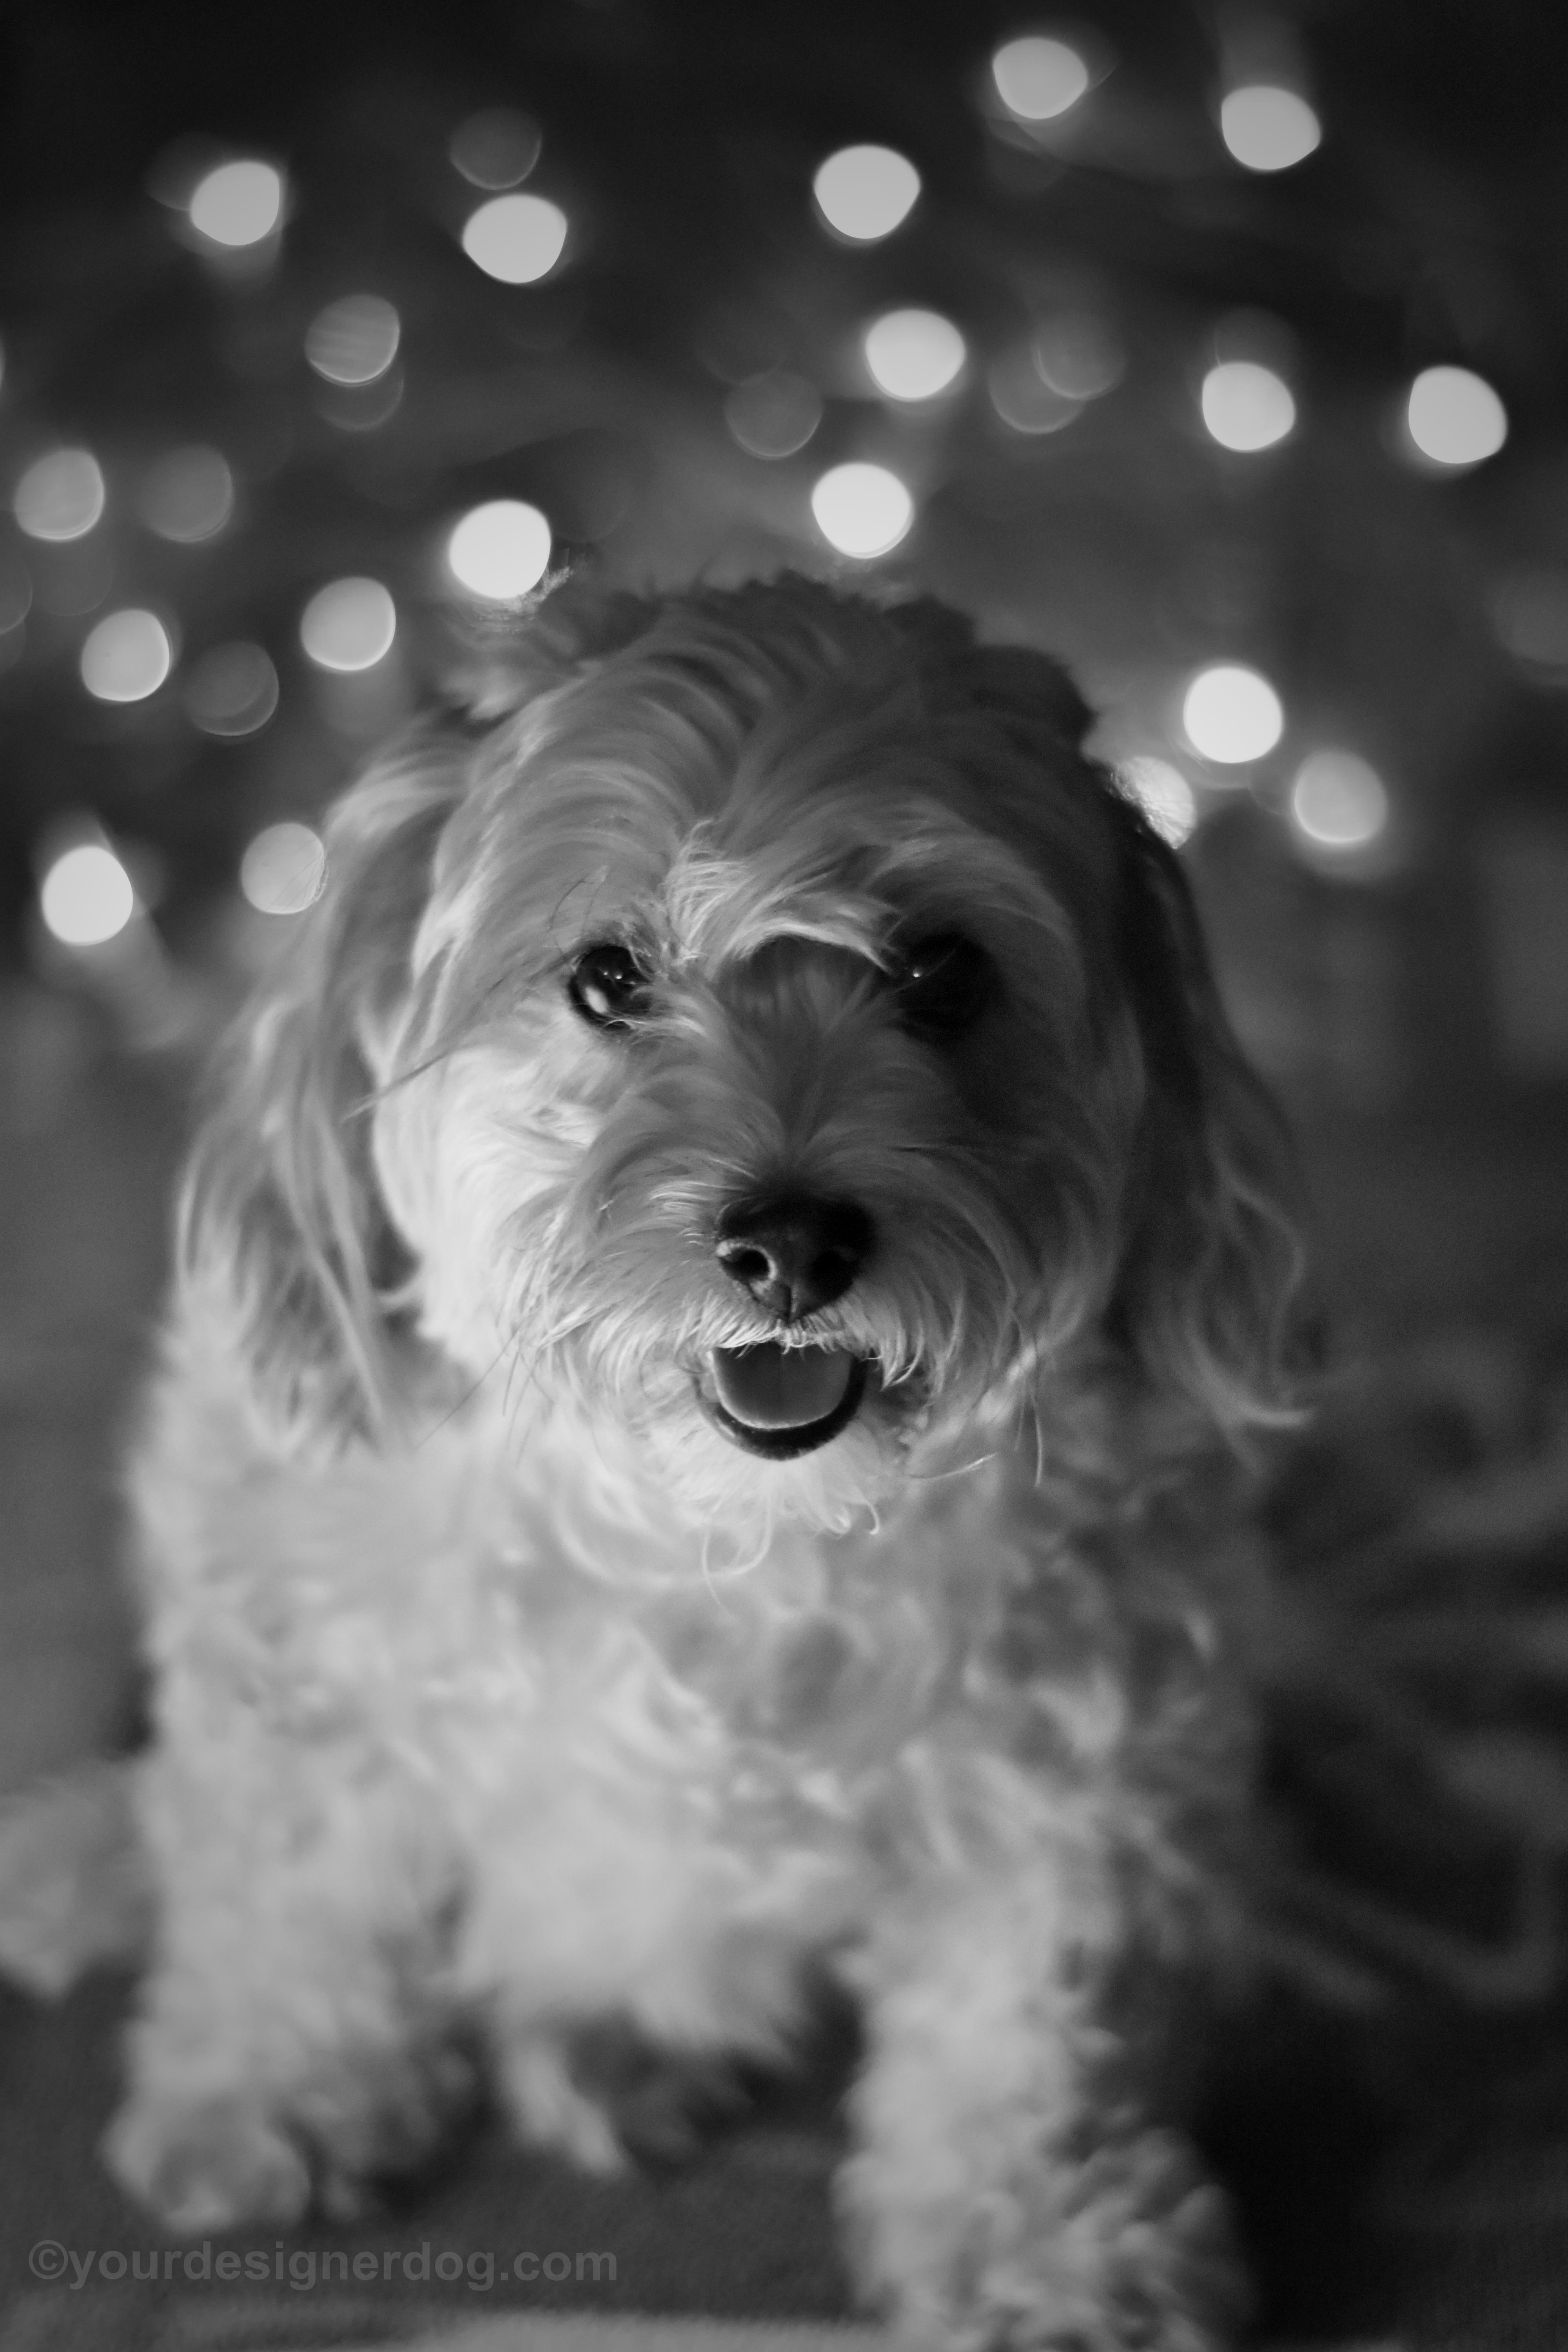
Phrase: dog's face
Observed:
(768, 1033)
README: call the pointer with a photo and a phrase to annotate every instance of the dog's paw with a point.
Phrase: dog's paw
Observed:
(661, 2104)
(1127, 2250)
(547, 2110)
(216, 2166)
(380, 2123)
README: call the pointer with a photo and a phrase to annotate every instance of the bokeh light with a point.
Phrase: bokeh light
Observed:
(1163, 794)
(1023, 399)
(865, 193)
(500, 550)
(913, 354)
(518, 239)
(1080, 355)
(1246, 405)
(187, 495)
(86, 898)
(238, 204)
(862, 511)
(283, 870)
(1038, 78)
(1454, 418)
(127, 657)
(1232, 714)
(1267, 128)
(495, 148)
(353, 340)
(15, 591)
(1529, 614)
(774, 413)
(349, 625)
(1338, 802)
(232, 690)
(60, 496)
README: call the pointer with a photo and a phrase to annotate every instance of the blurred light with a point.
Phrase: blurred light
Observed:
(187, 495)
(865, 192)
(1080, 356)
(496, 148)
(862, 511)
(15, 591)
(283, 870)
(913, 354)
(516, 238)
(60, 496)
(232, 690)
(1163, 794)
(1038, 78)
(1338, 802)
(1232, 714)
(1530, 614)
(734, 344)
(773, 414)
(1023, 399)
(353, 340)
(1455, 418)
(86, 897)
(239, 204)
(500, 550)
(1268, 129)
(1247, 407)
(361, 407)
(127, 657)
(349, 625)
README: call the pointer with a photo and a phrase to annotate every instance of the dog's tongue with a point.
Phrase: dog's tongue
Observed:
(770, 1387)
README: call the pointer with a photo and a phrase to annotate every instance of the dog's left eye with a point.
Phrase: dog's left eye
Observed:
(608, 986)
(943, 983)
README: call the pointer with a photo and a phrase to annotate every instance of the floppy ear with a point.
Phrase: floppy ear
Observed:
(281, 1230)
(1208, 1301)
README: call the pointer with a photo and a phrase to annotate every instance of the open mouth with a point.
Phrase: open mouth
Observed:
(783, 1402)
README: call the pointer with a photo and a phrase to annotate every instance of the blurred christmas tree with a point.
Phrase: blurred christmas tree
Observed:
(1195, 344)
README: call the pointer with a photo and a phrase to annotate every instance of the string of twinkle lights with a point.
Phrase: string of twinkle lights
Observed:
(234, 211)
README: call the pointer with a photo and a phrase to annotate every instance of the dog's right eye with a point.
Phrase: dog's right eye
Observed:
(944, 982)
(608, 986)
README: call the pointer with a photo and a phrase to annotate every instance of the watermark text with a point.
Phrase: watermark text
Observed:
(306, 2267)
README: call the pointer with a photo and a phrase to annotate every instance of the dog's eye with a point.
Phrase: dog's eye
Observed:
(608, 986)
(943, 983)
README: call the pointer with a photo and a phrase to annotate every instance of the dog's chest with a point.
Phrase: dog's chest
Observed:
(469, 1620)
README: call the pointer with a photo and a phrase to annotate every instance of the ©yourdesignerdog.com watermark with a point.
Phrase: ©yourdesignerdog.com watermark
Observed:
(305, 2267)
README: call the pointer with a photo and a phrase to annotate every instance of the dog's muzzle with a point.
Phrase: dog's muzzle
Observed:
(791, 1253)
(783, 1402)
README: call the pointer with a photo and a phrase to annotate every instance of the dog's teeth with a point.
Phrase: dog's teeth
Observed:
(770, 1387)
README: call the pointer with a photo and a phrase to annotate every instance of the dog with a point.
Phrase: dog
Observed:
(715, 1297)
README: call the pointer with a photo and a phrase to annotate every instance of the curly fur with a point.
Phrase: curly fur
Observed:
(500, 1697)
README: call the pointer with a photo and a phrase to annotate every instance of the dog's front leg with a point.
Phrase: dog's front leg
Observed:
(290, 2043)
(1009, 2193)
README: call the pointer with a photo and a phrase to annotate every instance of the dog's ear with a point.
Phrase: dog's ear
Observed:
(282, 1235)
(1207, 1303)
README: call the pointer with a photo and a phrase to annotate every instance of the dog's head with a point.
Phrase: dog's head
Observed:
(759, 1025)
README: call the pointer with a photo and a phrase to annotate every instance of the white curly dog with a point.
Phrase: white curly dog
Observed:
(711, 1296)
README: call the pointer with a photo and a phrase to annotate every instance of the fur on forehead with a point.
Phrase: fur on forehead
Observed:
(734, 765)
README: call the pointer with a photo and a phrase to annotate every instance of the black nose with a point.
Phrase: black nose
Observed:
(793, 1253)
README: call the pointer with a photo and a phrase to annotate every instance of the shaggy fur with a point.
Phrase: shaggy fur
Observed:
(720, 1269)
